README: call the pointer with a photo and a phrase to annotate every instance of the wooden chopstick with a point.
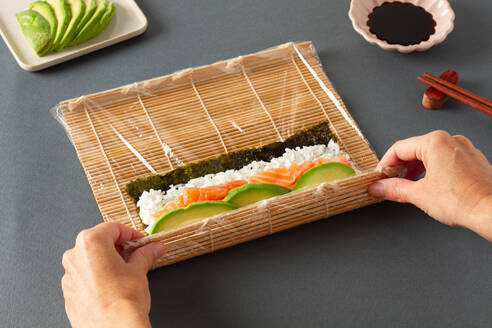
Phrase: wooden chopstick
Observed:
(460, 94)
(459, 89)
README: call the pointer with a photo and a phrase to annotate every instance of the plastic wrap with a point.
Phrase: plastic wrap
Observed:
(154, 126)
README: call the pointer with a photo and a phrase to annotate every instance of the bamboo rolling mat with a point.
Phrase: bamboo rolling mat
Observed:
(156, 125)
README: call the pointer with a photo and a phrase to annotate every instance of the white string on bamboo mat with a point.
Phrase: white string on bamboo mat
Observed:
(328, 92)
(211, 236)
(259, 100)
(314, 96)
(206, 112)
(133, 150)
(165, 147)
(322, 195)
(270, 225)
(265, 205)
(309, 88)
(110, 168)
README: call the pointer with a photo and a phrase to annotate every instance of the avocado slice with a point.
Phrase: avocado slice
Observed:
(63, 17)
(47, 12)
(105, 20)
(36, 29)
(254, 192)
(91, 24)
(77, 9)
(190, 214)
(90, 8)
(327, 172)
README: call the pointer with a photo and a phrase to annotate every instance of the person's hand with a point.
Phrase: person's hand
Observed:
(100, 288)
(457, 187)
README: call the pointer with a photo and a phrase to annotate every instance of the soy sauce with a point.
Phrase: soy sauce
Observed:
(401, 23)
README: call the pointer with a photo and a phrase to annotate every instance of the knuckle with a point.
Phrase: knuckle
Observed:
(397, 144)
(66, 258)
(64, 282)
(441, 133)
(439, 138)
(109, 224)
(86, 237)
(462, 139)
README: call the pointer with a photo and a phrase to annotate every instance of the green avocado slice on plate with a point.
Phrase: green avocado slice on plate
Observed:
(105, 20)
(91, 24)
(254, 192)
(47, 12)
(77, 9)
(63, 16)
(36, 29)
(192, 213)
(327, 172)
(90, 8)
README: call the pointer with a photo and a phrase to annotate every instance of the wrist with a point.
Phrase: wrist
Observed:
(126, 313)
(481, 218)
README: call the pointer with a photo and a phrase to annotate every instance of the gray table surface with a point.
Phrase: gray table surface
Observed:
(386, 265)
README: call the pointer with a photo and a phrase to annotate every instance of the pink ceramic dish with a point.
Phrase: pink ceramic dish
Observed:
(440, 9)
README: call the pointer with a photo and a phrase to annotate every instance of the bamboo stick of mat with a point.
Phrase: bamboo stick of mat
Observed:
(156, 125)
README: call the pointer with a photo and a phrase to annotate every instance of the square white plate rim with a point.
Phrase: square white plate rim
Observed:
(127, 11)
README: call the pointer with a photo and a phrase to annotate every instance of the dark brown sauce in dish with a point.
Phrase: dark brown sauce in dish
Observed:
(401, 23)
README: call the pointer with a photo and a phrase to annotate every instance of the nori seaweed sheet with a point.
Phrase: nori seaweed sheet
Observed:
(316, 135)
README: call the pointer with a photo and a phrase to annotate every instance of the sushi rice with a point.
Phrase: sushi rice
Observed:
(154, 200)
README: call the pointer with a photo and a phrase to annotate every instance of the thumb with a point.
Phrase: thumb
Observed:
(395, 189)
(145, 256)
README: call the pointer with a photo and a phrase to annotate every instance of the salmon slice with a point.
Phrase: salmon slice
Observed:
(214, 192)
(190, 195)
(283, 176)
(169, 206)
(267, 177)
(235, 184)
(341, 159)
(301, 169)
(280, 176)
(220, 191)
(180, 201)
(293, 169)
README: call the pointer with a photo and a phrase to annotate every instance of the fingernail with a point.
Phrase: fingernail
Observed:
(377, 190)
(158, 249)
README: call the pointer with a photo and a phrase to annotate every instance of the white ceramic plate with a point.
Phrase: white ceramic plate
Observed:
(128, 22)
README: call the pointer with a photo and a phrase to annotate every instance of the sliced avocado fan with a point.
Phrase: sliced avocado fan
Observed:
(36, 29)
(47, 12)
(70, 22)
(63, 16)
(77, 8)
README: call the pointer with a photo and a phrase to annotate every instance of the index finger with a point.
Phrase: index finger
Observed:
(115, 233)
(404, 151)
